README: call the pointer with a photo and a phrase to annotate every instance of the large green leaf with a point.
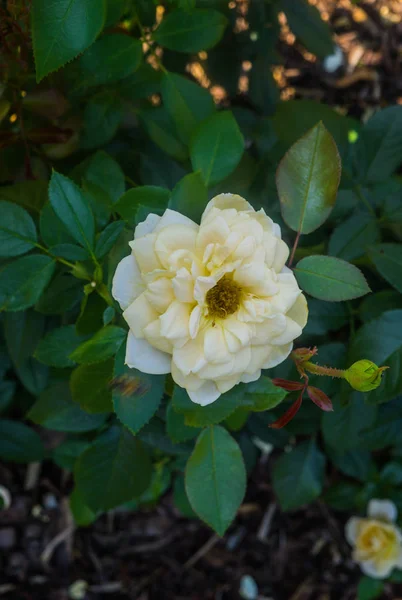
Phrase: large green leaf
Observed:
(73, 209)
(19, 443)
(161, 130)
(374, 305)
(379, 146)
(306, 23)
(352, 237)
(342, 427)
(17, 230)
(90, 387)
(192, 31)
(62, 29)
(216, 478)
(136, 395)
(102, 116)
(108, 238)
(331, 279)
(110, 59)
(307, 180)
(200, 416)
(151, 196)
(369, 589)
(176, 427)
(380, 340)
(63, 293)
(56, 410)
(298, 476)
(104, 344)
(262, 395)
(54, 349)
(388, 261)
(190, 196)
(23, 281)
(186, 102)
(103, 171)
(31, 195)
(217, 147)
(114, 470)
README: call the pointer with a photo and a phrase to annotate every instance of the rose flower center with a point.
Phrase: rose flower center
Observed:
(223, 299)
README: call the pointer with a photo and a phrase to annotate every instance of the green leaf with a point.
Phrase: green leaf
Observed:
(374, 305)
(106, 173)
(104, 344)
(100, 203)
(354, 463)
(217, 147)
(108, 238)
(31, 195)
(70, 252)
(102, 117)
(305, 22)
(307, 180)
(54, 349)
(145, 195)
(342, 427)
(380, 145)
(55, 409)
(63, 29)
(109, 59)
(342, 495)
(200, 416)
(7, 390)
(325, 316)
(17, 230)
(190, 197)
(352, 237)
(388, 261)
(22, 332)
(19, 443)
(161, 130)
(52, 230)
(186, 102)
(331, 279)
(180, 498)
(369, 589)
(136, 395)
(298, 476)
(176, 427)
(191, 32)
(23, 281)
(82, 514)
(385, 430)
(263, 395)
(114, 470)
(73, 209)
(68, 451)
(215, 478)
(90, 387)
(391, 474)
(61, 295)
(380, 340)
(90, 319)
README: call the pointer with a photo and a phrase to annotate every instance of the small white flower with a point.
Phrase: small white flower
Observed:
(212, 304)
(377, 540)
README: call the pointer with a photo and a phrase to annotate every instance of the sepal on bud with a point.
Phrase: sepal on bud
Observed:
(364, 375)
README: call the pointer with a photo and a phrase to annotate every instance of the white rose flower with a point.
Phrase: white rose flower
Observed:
(212, 304)
(377, 541)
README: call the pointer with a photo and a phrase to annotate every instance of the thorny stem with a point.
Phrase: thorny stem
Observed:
(326, 371)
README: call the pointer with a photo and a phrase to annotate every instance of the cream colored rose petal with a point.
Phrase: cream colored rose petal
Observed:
(382, 509)
(144, 357)
(352, 529)
(172, 217)
(144, 251)
(205, 395)
(146, 226)
(127, 282)
(277, 355)
(299, 311)
(223, 201)
(139, 314)
(175, 322)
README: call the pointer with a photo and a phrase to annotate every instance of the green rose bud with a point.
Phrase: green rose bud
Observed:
(364, 375)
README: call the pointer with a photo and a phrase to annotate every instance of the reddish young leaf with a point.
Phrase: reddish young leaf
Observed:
(289, 414)
(319, 398)
(289, 386)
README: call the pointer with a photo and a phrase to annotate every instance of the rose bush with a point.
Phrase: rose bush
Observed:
(211, 304)
(158, 360)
